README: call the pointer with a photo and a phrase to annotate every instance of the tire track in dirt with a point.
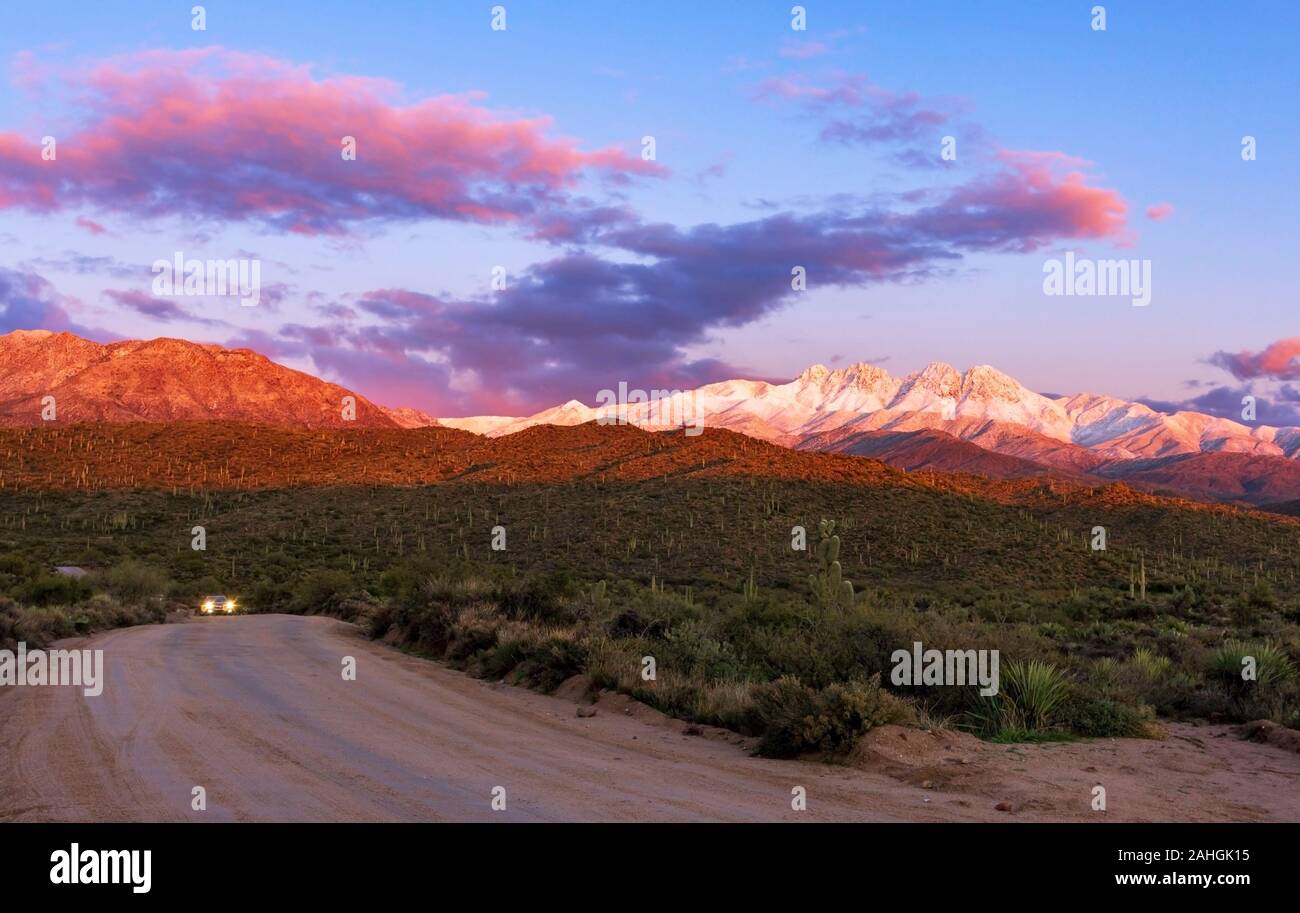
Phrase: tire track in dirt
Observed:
(254, 709)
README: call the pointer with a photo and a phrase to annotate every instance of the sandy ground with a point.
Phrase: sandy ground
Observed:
(255, 710)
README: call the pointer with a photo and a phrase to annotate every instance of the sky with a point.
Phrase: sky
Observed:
(505, 238)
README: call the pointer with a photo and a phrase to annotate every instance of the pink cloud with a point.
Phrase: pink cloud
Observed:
(1036, 198)
(804, 50)
(1279, 361)
(851, 89)
(1160, 211)
(240, 137)
(91, 226)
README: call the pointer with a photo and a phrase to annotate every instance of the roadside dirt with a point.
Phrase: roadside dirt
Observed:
(254, 709)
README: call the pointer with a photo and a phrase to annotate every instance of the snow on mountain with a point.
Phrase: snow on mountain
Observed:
(932, 416)
(822, 407)
(479, 424)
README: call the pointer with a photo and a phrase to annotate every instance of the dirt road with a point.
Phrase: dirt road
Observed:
(255, 710)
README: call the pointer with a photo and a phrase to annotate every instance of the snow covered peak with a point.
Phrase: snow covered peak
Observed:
(982, 405)
(867, 376)
(814, 374)
(984, 382)
(937, 379)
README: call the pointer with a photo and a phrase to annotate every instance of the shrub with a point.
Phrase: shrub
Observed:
(540, 598)
(796, 719)
(53, 590)
(1102, 718)
(269, 596)
(321, 592)
(1272, 666)
(1029, 695)
(134, 582)
(472, 632)
(547, 664)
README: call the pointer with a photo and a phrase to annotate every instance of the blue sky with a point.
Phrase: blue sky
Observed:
(1156, 105)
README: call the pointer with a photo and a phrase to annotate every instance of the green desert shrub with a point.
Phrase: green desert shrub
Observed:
(1027, 700)
(53, 590)
(546, 664)
(797, 719)
(472, 633)
(1272, 665)
(134, 582)
(321, 592)
(37, 626)
(1102, 718)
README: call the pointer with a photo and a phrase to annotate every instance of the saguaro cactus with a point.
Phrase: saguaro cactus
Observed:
(828, 586)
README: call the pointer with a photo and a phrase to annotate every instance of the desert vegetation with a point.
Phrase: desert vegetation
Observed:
(700, 575)
(38, 605)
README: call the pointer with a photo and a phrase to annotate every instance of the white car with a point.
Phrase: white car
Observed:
(218, 605)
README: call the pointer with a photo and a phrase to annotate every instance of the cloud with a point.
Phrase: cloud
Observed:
(240, 138)
(872, 114)
(1158, 211)
(1031, 200)
(29, 302)
(1280, 408)
(1266, 374)
(85, 264)
(804, 50)
(91, 226)
(578, 323)
(237, 137)
(156, 308)
(1279, 361)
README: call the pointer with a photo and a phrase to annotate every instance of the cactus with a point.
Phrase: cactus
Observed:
(598, 598)
(751, 588)
(829, 588)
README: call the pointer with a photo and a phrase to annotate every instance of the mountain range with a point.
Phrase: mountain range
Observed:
(980, 421)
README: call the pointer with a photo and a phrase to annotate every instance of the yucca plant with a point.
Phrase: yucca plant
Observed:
(1272, 665)
(1150, 665)
(1029, 694)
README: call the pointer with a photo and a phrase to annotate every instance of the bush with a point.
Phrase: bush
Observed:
(1028, 697)
(321, 592)
(541, 598)
(37, 626)
(796, 719)
(53, 590)
(1272, 666)
(269, 596)
(1095, 718)
(546, 665)
(133, 582)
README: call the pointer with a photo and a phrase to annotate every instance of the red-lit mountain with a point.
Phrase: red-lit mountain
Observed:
(980, 421)
(164, 380)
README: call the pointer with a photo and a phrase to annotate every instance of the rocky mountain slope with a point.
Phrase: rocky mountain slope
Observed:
(980, 421)
(167, 380)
